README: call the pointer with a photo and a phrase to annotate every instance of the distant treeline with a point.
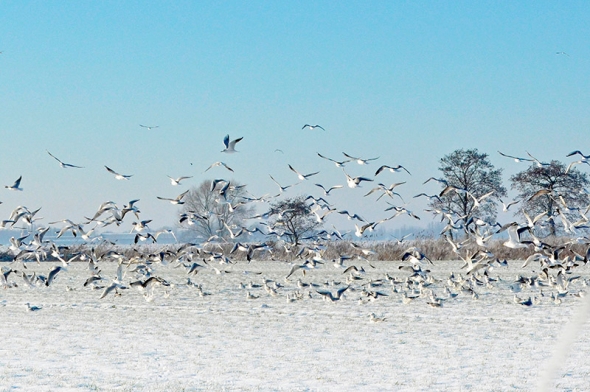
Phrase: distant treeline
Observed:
(435, 249)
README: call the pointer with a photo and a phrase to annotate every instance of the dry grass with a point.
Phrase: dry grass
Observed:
(434, 249)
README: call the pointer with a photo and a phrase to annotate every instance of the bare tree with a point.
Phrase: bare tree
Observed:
(471, 185)
(553, 190)
(293, 219)
(215, 208)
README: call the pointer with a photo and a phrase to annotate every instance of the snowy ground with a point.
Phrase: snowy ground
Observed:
(224, 341)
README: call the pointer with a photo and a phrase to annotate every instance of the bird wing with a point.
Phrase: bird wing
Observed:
(53, 156)
(518, 158)
(507, 156)
(212, 165)
(448, 188)
(293, 269)
(70, 165)
(321, 156)
(232, 144)
(51, 275)
(227, 167)
(321, 186)
(381, 169)
(107, 290)
(295, 171)
(340, 291)
(373, 190)
(401, 167)
(540, 192)
(111, 171)
(179, 197)
(575, 152)
(348, 156)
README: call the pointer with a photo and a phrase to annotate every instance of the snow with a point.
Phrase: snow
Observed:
(224, 341)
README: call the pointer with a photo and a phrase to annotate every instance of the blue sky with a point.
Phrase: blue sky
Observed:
(405, 81)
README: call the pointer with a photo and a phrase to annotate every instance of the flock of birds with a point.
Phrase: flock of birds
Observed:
(353, 264)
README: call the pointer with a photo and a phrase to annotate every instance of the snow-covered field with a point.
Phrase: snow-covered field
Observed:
(181, 340)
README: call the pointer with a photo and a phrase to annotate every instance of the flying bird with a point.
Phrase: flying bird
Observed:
(62, 164)
(302, 176)
(176, 181)
(451, 188)
(351, 216)
(306, 266)
(337, 163)
(312, 127)
(52, 274)
(539, 163)
(218, 163)
(149, 127)
(329, 296)
(386, 190)
(540, 192)
(283, 188)
(392, 169)
(579, 153)
(584, 159)
(177, 200)
(354, 182)
(430, 197)
(514, 232)
(110, 288)
(15, 186)
(477, 200)
(401, 210)
(327, 191)
(360, 230)
(505, 206)
(414, 256)
(117, 175)
(441, 181)
(516, 159)
(140, 226)
(360, 161)
(230, 147)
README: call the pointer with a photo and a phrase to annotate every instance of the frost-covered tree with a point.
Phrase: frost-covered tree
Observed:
(560, 186)
(471, 186)
(293, 218)
(212, 211)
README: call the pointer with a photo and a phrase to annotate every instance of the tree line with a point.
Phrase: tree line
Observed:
(471, 194)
